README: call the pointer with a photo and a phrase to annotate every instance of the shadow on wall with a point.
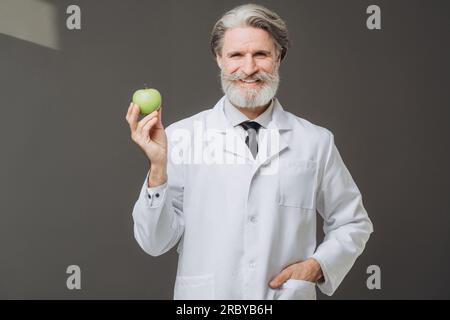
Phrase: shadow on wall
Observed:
(34, 21)
(62, 140)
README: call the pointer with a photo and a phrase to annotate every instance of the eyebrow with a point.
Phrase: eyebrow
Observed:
(256, 52)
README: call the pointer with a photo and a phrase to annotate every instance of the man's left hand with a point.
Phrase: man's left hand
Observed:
(308, 270)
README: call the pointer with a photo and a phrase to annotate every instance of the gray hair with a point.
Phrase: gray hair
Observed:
(251, 15)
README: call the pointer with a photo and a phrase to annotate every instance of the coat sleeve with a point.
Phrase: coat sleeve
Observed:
(347, 226)
(158, 212)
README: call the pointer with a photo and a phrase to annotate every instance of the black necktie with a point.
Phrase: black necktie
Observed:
(252, 128)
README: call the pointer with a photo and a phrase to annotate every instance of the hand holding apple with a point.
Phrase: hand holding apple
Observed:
(150, 136)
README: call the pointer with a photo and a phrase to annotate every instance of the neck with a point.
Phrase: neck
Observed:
(253, 113)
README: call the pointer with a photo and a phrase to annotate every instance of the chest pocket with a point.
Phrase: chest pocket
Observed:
(297, 183)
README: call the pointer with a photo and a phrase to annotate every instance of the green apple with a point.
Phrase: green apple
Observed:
(148, 100)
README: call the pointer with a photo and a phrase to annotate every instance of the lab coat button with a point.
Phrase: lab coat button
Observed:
(252, 265)
(253, 219)
(157, 195)
(149, 196)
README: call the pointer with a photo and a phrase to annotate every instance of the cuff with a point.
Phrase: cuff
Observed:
(155, 195)
(326, 283)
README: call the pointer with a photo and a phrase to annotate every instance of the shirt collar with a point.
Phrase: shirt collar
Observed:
(236, 117)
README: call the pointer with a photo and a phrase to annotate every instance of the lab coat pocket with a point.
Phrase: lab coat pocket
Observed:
(194, 287)
(294, 289)
(297, 183)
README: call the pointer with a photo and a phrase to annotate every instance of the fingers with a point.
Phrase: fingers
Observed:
(129, 110)
(145, 121)
(160, 116)
(280, 278)
(143, 127)
(148, 126)
(132, 116)
(158, 123)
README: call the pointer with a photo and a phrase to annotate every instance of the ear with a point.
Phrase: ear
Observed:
(279, 59)
(219, 61)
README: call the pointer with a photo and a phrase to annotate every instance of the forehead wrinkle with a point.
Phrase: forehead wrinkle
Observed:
(255, 40)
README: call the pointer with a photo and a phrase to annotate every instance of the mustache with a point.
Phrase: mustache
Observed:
(265, 77)
(239, 75)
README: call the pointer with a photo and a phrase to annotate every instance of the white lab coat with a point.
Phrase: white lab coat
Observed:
(237, 227)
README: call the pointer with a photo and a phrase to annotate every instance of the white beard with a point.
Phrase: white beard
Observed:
(250, 97)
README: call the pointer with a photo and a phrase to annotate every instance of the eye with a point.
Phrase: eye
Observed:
(261, 54)
(235, 55)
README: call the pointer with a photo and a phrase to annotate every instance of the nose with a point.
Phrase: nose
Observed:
(249, 66)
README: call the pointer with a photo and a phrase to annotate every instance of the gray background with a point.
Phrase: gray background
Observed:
(70, 174)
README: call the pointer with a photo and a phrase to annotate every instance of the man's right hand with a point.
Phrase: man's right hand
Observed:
(150, 136)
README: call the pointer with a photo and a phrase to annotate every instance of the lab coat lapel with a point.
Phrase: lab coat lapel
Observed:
(231, 142)
(273, 139)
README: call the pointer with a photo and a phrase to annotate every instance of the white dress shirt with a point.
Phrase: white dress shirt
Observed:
(236, 117)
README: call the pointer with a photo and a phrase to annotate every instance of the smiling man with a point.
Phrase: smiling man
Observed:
(243, 234)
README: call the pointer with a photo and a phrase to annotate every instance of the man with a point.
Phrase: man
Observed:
(247, 228)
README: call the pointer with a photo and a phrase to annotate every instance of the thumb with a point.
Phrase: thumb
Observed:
(159, 123)
(280, 279)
